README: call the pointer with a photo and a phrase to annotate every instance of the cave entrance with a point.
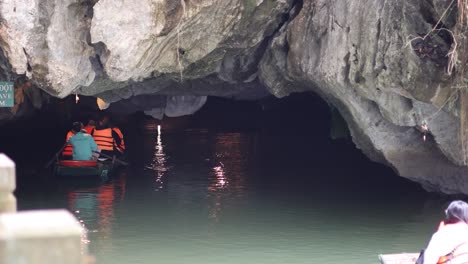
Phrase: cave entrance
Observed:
(300, 135)
(298, 138)
(301, 123)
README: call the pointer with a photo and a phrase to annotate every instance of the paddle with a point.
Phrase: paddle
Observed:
(113, 158)
(55, 156)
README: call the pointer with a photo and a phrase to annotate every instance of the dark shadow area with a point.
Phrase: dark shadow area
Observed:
(299, 132)
(289, 134)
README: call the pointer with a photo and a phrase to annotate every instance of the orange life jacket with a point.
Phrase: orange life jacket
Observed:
(89, 129)
(68, 150)
(103, 138)
(458, 256)
(121, 147)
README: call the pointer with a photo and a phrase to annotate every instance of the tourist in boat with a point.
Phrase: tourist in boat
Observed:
(83, 144)
(450, 243)
(119, 143)
(106, 138)
(90, 126)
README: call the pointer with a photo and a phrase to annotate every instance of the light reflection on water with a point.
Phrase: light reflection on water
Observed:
(159, 161)
(228, 171)
(219, 198)
(230, 157)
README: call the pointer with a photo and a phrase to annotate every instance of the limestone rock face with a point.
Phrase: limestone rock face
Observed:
(27, 97)
(371, 59)
(180, 48)
(364, 57)
(47, 40)
(183, 38)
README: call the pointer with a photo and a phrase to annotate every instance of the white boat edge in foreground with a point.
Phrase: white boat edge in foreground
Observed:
(400, 258)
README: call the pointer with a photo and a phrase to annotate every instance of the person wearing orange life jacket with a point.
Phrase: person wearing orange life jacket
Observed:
(119, 143)
(90, 126)
(106, 138)
(450, 243)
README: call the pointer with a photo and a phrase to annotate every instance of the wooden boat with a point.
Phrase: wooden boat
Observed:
(401, 258)
(78, 169)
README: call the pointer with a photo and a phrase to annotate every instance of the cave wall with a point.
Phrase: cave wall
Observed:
(366, 57)
(359, 56)
(47, 41)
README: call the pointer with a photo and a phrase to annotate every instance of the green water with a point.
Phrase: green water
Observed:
(246, 198)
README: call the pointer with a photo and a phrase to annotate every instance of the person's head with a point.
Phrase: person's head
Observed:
(457, 211)
(91, 123)
(104, 121)
(76, 127)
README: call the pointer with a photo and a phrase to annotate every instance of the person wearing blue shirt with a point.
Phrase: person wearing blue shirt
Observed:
(83, 143)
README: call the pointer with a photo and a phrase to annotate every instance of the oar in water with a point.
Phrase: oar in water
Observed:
(113, 158)
(55, 156)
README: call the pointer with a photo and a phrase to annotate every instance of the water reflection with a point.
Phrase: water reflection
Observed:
(159, 161)
(94, 207)
(230, 154)
(221, 180)
(87, 202)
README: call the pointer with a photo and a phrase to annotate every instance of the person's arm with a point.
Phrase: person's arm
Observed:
(94, 146)
(116, 138)
(67, 140)
(70, 140)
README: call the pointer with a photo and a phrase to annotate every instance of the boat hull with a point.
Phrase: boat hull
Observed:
(83, 169)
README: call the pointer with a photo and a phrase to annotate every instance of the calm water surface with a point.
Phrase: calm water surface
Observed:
(218, 197)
